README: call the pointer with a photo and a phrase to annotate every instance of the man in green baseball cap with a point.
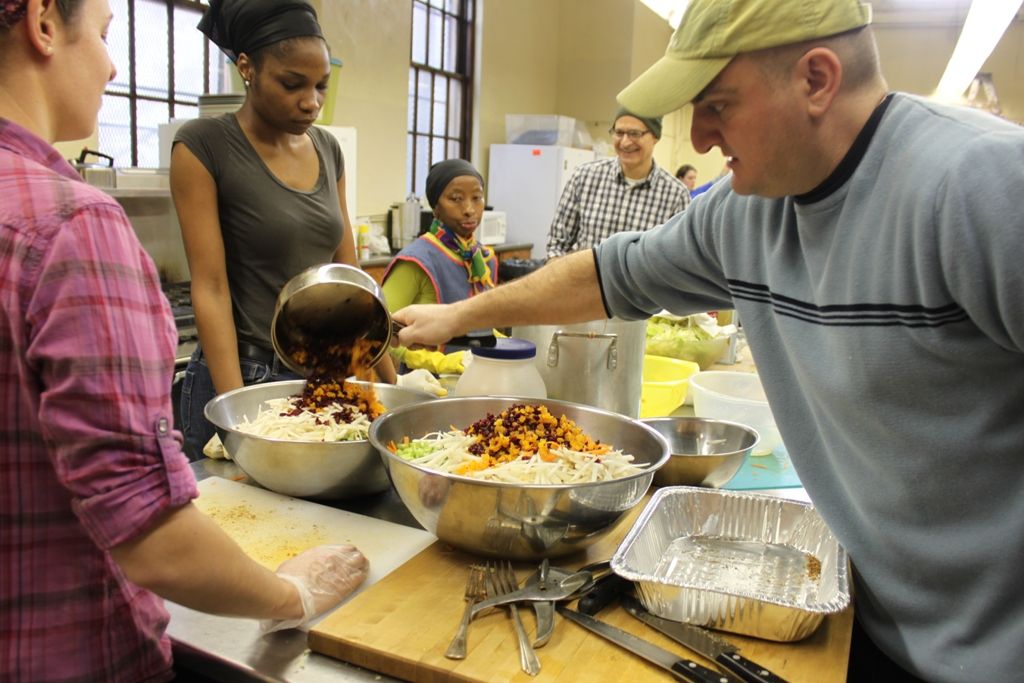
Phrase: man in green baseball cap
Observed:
(870, 243)
(733, 59)
(713, 33)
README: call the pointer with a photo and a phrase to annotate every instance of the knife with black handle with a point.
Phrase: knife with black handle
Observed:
(681, 668)
(704, 643)
(602, 594)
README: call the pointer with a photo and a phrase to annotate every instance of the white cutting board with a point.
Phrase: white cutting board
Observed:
(271, 528)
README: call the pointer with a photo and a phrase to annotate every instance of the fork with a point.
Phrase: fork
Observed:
(504, 580)
(476, 590)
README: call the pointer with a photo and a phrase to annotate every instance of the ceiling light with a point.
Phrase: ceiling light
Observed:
(671, 11)
(985, 24)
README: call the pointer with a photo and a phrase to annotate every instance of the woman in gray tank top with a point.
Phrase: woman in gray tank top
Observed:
(260, 196)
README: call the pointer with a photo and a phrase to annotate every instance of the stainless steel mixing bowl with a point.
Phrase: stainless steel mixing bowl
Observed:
(516, 521)
(705, 452)
(304, 469)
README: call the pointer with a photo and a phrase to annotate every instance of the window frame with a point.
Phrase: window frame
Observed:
(173, 98)
(465, 16)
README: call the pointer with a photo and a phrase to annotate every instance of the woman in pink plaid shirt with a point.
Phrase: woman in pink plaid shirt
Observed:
(96, 519)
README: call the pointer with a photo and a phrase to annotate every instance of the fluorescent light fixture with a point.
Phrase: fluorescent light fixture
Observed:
(671, 11)
(985, 24)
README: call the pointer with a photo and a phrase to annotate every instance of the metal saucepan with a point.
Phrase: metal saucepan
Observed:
(335, 302)
(99, 173)
(332, 302)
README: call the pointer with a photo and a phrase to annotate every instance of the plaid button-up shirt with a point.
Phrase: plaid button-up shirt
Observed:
(88, 457)
(597, 202)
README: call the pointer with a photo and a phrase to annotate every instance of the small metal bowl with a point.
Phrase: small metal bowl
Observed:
(516, 521)
(704, 452)
(304, 469)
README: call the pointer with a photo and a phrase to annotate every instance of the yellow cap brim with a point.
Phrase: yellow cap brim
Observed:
(669, 84)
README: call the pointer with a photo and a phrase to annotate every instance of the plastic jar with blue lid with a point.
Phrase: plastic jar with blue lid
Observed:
(505, 369)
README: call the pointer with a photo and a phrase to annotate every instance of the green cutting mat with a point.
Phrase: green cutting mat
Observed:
(773, 471)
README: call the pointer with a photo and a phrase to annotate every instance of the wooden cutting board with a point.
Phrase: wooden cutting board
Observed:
(402, 625)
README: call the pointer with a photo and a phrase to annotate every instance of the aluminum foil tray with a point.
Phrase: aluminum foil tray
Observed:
(735, 561)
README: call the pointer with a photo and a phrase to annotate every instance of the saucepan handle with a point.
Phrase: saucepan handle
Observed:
(470, 340)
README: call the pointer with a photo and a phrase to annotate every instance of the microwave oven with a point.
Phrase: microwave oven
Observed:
(493, 227)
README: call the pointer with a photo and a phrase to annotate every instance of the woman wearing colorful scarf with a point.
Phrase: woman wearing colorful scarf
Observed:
(446, 264)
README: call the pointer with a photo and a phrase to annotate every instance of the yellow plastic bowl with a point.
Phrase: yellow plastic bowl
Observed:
(665, 381)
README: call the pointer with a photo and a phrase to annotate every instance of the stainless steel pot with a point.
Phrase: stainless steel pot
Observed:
(598, 363)
(98, 174)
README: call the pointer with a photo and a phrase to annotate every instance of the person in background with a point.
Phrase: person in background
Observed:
(445, 264)
(260, 196)
(868, 243)
(687, 174)
(96, 519)
(626, 192)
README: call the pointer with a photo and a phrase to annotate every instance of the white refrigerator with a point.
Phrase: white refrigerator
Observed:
(526, 182)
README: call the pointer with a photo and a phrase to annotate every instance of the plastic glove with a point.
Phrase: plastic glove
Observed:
(424, 381)
(453, 363)
(434, 361)
(324, 576)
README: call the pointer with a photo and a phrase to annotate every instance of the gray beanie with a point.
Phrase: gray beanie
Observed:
(653, 123)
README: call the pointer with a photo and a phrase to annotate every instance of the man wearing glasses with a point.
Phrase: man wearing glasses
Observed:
(626, 192)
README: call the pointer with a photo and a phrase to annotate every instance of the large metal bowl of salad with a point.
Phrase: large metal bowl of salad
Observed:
(333, 460)
(517, 478)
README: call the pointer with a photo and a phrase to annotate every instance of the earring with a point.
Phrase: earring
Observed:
(246, 83)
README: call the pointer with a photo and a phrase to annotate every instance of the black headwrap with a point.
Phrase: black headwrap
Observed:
(237, 26)
(443, 172)
(12, 11)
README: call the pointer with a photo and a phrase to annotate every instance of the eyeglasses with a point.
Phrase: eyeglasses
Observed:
(631, 134)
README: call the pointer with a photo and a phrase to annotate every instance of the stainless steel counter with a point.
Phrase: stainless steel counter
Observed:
(230, 649)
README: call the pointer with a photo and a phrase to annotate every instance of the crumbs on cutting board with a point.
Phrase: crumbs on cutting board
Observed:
(266, 537)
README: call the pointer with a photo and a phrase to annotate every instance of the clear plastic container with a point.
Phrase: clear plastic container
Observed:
(505, 369)
(737, 397)
(547, 129)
